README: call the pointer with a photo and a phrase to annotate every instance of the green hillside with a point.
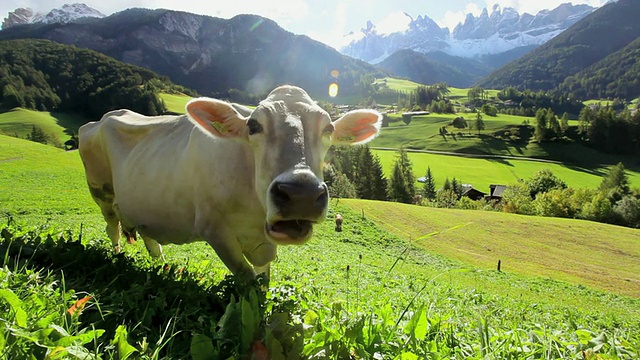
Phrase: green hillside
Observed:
(483, 172)
(503, 135)
(175, 103)
(19, 122)
(424, 69)
(614, 76)
(44, 75)
(583, 252)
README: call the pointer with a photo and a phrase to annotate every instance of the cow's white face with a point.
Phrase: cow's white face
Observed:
(289, 135)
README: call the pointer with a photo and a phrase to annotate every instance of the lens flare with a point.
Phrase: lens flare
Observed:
(335, 73)
(333, 89)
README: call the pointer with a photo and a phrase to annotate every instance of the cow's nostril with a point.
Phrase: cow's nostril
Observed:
(281, 193)
(323, 196)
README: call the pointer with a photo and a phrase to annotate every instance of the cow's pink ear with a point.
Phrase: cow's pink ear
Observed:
(217, 117)
(356, 127)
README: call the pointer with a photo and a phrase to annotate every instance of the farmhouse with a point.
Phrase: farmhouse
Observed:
(471, 193)
(495, 192)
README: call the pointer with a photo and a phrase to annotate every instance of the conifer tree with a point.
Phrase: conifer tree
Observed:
(37, 135)
(456, 187)
(429, 188)
(364, 173)
(401, 183)
(379, 182)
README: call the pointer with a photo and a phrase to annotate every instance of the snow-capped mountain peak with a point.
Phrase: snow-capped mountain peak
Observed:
(502, 30)
(66, 14)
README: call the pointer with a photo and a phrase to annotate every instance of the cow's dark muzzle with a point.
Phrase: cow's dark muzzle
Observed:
(300, 200)
(299, 205)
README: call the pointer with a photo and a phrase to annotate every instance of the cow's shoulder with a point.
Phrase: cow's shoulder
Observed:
(130, 121)
(128, 127)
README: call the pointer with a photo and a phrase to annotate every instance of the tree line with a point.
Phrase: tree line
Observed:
(531, 101)
(609, 130)
(46, 76)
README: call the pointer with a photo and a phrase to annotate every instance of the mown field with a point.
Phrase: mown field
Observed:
(598, 255)
(399, 282)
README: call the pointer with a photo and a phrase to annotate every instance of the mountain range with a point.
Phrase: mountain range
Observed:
(66, 14)
(487, 34)
(211, 55)
(597, 56)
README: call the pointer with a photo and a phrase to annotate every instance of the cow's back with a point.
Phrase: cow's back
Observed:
(105, 143)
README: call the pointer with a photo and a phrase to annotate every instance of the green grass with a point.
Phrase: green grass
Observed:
(31, 166)
(423, 133)
(457, 94)
(483, 172)
(19, 122)
(581, 166)
(398, 84)
(372, 288)
(175, 102)
(460, 94)
(597, 255)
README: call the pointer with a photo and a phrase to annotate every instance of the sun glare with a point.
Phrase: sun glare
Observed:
(333, 89)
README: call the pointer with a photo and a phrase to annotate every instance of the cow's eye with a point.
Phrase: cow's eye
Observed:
(254, 126)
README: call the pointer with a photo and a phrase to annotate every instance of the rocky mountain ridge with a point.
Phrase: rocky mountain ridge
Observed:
(492, 33)
(246, 53)
(66, 14)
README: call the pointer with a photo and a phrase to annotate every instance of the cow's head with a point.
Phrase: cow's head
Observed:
(289, 135)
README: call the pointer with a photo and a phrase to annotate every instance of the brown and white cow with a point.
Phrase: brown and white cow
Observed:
(243, 182)
(339, 220)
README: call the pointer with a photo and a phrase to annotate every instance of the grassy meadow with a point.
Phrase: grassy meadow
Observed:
(175, 102)
(483, 172)
(19, 122)
(400, 281)
(594, 254)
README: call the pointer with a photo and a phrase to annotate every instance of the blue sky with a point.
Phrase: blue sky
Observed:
(327, 21)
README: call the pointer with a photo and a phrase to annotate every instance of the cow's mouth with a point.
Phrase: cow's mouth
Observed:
(289, 231)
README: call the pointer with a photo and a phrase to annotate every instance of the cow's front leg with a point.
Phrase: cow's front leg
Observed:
(261, 257)
(113, 227)
(230, 252)
(153, 247)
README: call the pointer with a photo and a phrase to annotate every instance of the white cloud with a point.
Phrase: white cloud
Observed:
(453, 18)
(394, 22)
